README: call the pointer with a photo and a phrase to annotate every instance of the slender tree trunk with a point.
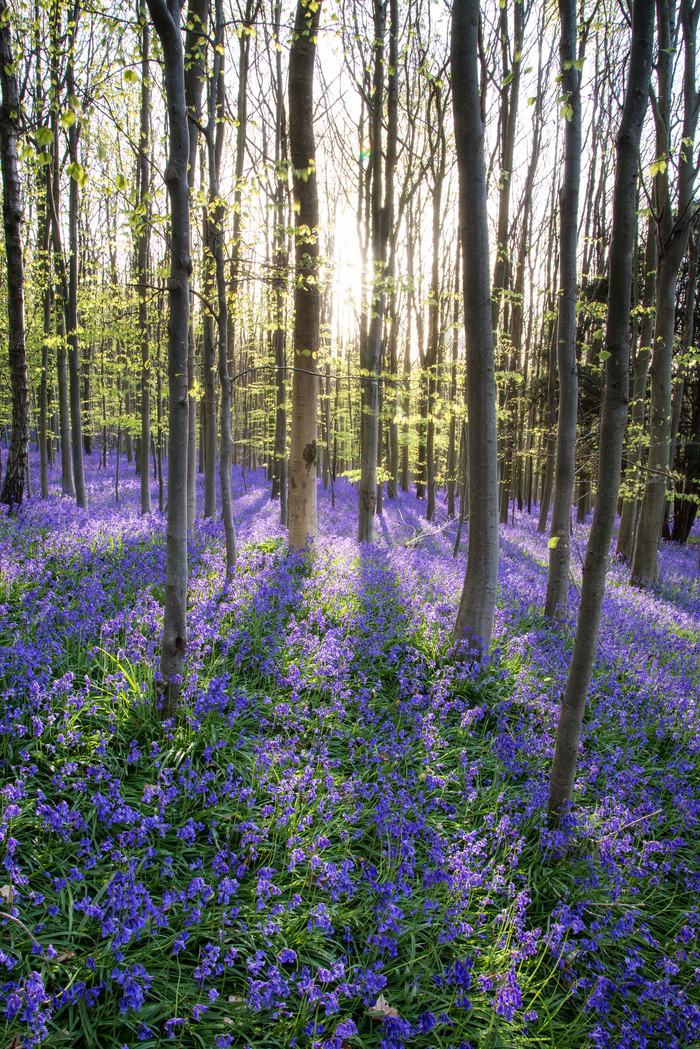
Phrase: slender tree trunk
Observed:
(216, 144)
(303, 459)
(166, 19)
(195, 76)
(640, 371)
(614, 415)
(452, 440)
(382, 220)
(13, 485)
(281, 264)
(142, 251)
(556, 601)
(673, 239)
(71, 302)
(474, 624)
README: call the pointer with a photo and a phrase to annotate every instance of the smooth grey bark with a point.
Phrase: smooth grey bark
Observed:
(556, 600)
(673, 231)
(303, 457)
(215, 143)
(614, 413)
(508, 117)
(382, 206)
(279, 281)
(208, 423)
(71, 302)
(143, 238)
(640, 372)
(16, 468)
(437, 144)
(195, 75)
(474, 625)
(43, 242)
(165, 15)
(452, 437)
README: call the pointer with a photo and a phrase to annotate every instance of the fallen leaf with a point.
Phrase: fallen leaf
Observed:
(64, 956)
(7, 893)
(382, 1008)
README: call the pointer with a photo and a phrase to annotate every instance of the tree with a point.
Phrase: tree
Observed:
(303, 457)
(13, 485)
(165, 15)
(215, 145)
(143, 231)
(560, 546)
(382, 205)
(475, 616)
(673, 230)
(614, 413)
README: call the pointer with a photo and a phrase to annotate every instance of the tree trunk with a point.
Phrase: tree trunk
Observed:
(382, 221)
(673, 239)
(166, 19)
(279, 280)
(614, 414)
(556, 601)
(143, 237)
(640, 371)
(195, 76)
(303, 459)
(71, 303)
(216, 130)
(474, 624)
(13, 485)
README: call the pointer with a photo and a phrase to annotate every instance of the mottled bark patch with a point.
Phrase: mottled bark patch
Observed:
(310, 454)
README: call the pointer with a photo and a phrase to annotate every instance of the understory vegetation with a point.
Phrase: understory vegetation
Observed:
(341, 840)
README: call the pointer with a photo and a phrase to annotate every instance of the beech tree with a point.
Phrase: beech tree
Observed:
(165, 15)
(474, 624)
(556, 601)
(673, 220)
(614, 414)
(303, 456)
(15, 471)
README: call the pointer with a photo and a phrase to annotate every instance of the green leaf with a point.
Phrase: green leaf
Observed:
(43, 159)
(130, 76)
(120, 182)
(552, 544)
(603, 356)
(658, 166)
(44, 136)
(67, 118)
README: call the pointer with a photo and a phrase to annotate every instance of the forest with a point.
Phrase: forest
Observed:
(349, 574)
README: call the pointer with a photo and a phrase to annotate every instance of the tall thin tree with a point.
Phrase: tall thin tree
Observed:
(303, 457)
(474, 625)
(13, 485)
(614, 414)
(165, 15)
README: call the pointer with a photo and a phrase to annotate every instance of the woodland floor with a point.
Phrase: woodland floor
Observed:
(340, 843)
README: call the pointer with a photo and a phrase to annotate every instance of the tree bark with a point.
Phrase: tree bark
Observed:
(71, 302)
(640, 372)
(303, 459)
(216, 145)
(556, 601)
(143, 237)
(614, 414)
(382, 220)
(13, 484)
(673, 239)
(165, 15)
(474, 625)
